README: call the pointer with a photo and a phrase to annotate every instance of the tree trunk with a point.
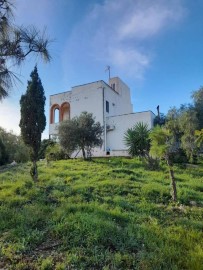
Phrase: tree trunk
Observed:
(34, 172)
(173, 183)
(83, 153)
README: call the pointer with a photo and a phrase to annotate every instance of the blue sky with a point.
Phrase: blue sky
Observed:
(155, 47)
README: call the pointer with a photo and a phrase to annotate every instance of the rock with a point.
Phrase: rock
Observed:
(193, 203)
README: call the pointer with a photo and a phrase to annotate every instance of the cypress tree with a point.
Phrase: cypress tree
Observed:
(33, 120)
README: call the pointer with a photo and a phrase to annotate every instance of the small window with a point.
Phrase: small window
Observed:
(107, 106)
(113, 85)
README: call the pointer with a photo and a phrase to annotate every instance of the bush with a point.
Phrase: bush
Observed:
(151, 163)
(179, 157)
(44, 144)
(3, 153)
(13, 148)
(54, 152)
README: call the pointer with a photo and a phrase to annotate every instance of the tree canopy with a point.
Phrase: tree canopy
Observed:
(162, 146)
(33, 120)
(15, 149)
(3, 153)
(16, 43)
(197, 97)
(80, 133)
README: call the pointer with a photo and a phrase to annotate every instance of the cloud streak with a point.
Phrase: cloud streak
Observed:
(117, 33)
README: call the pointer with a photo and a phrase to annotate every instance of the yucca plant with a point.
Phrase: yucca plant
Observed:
(137, 140)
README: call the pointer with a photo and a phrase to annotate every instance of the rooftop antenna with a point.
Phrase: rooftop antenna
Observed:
(158, 113)
(108, 68)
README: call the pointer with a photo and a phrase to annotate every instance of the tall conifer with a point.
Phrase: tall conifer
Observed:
(33, 120)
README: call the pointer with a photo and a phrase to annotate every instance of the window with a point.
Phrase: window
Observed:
(113, 85)
(56, 115)
(107, 106)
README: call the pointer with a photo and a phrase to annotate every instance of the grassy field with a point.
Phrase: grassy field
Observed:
(105, 214)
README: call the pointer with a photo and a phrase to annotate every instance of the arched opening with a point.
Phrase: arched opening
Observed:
(55, 114)
(65, 111)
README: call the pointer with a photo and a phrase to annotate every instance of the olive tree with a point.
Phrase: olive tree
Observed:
(80, 133)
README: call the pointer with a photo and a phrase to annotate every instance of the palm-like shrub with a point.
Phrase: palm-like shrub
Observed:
(137, 140)
(162, 146)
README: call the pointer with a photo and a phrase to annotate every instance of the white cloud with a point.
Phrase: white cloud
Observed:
(149, 18)
(131, 61)
(116, 33)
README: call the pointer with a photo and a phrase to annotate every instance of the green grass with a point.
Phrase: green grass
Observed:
(105, 214)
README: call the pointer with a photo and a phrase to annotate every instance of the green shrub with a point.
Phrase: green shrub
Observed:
(179, 157)
(46, 264)
(54, 152)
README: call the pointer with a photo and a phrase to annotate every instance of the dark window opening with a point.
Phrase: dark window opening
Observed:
(113, 85)
(108, 151)
(107, 106)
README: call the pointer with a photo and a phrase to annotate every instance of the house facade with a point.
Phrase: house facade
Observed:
(110, 104)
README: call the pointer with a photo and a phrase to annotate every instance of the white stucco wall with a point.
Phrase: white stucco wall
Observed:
(92, 98)
(119, 103)
(119, 125)
(60, 98)
(88, 97)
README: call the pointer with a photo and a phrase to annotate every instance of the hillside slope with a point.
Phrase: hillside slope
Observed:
(105, 214)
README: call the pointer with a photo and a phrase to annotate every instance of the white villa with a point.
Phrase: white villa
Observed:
(109, 103)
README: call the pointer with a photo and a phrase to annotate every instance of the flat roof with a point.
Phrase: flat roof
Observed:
(129, 113)
(84, 85)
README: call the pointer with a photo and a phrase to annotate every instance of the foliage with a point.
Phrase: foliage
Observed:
(81, 133)
(199, 138)
(161, 143)
(173, 124)
(46, 264)
(188, 124)
(68, 131)
(197, 97)
(162, 146)
(43, 146)
(14, 146)
(160, 120)
(54, 152)
(182, 123)
(179, 156)
(16, 43)
(3, 153)
(137, 140)
(107, 214)
(33, 120)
